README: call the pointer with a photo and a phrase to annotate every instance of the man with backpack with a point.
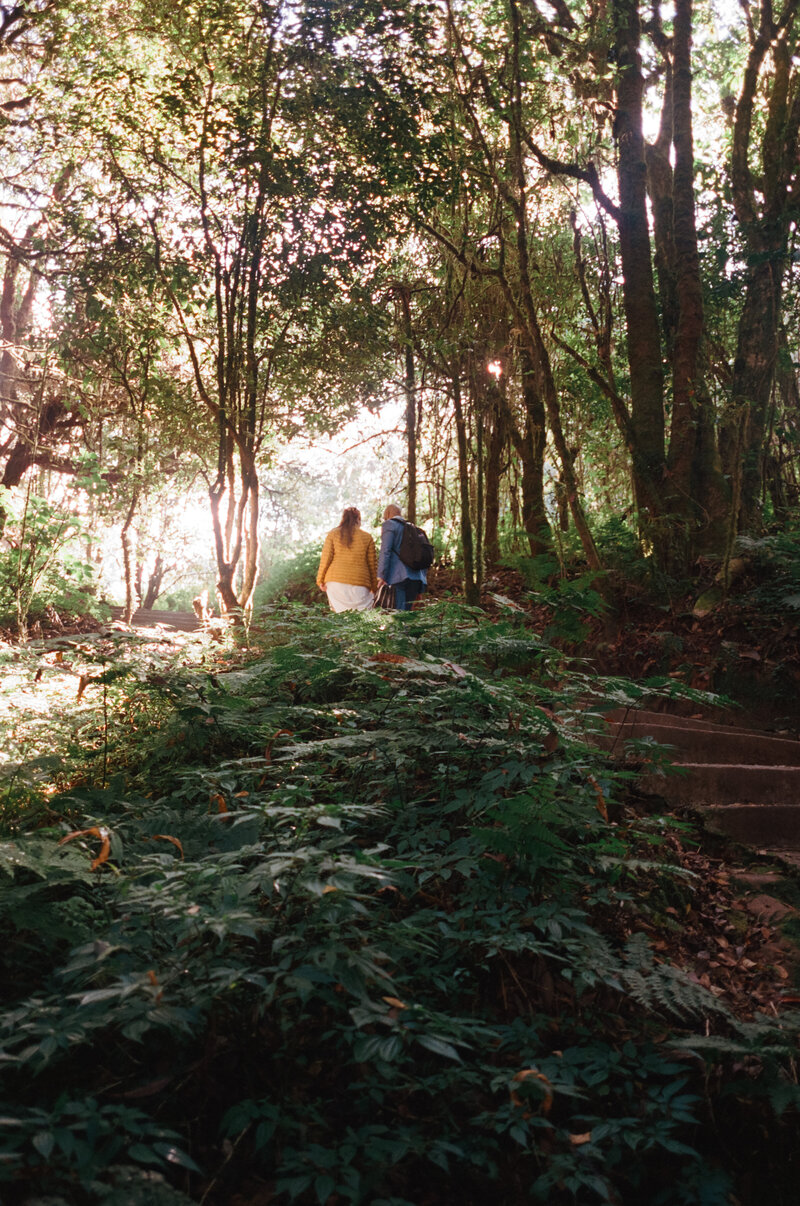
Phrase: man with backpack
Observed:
(405, 555)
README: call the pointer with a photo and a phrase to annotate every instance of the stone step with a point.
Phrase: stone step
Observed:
(183, 621)
(726, 783)
(775, 827)
(643, 718)
(707, 744)
(744, 783)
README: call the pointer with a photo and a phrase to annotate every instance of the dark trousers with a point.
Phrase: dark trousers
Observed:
(406, 592)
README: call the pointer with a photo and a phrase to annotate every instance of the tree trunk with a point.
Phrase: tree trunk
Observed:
(530, 447)
(763, 209)
(710, 488)
(513, 498)
(548, 389)
(696, 497)
(236, 543)
(470, 586)
(26, 447)
(782, 481)
(687, 386)
(479, 499)
(17, 299)
(154, 581)
(538, 383)
(226, 568)
(753, 374)
(252, 545)
(129, 561)
(410, 391)
(639, 298)
(494, 470)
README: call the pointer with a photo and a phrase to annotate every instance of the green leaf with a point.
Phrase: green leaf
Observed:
(44, 1143)
(144, 1154)
(324, 1187)
(175, 1155)
(438, 1046)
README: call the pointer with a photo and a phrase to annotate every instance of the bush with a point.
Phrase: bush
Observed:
(293, 578)
(181, 598)
(774, 570)
(43, 567)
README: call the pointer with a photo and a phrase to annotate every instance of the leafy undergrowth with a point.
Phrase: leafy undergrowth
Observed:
(367, 919)
(746, 646)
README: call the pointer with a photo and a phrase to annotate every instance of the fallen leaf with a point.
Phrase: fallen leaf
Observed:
(153, 978)
(601, 800)
(268, 751)
(551, 743)
(547, 1101)
(95, 831)
(165, 837)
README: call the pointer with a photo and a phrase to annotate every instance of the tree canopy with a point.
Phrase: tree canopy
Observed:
(563, 234)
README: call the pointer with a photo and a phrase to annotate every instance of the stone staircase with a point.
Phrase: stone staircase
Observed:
(744, 783)
(183, 621)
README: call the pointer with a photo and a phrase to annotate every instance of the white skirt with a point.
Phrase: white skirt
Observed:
(343, 597)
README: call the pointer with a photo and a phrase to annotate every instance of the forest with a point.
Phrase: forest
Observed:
(369, 908)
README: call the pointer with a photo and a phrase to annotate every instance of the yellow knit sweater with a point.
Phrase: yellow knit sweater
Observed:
(354, 566)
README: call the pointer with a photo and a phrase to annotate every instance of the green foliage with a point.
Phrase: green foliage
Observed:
(775, 562)
(572, 601)
(80, 1139)
(621, 553)
(353, 920)
(293, 577)
(42, 567)
(619, 545)
(180, 598)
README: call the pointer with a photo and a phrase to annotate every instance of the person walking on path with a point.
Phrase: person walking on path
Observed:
(347, 572)
(407, 583)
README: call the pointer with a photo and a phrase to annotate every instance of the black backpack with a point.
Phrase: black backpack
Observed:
(415, 550)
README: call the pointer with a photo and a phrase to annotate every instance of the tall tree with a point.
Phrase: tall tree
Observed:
(207, 166)
(36, 414)
(765, 182)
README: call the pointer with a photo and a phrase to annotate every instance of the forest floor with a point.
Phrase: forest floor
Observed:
(739, 938)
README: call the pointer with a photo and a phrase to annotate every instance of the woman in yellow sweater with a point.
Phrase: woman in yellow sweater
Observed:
(348, 565)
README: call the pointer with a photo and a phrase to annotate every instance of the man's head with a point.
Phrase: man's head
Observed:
(392, 511)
